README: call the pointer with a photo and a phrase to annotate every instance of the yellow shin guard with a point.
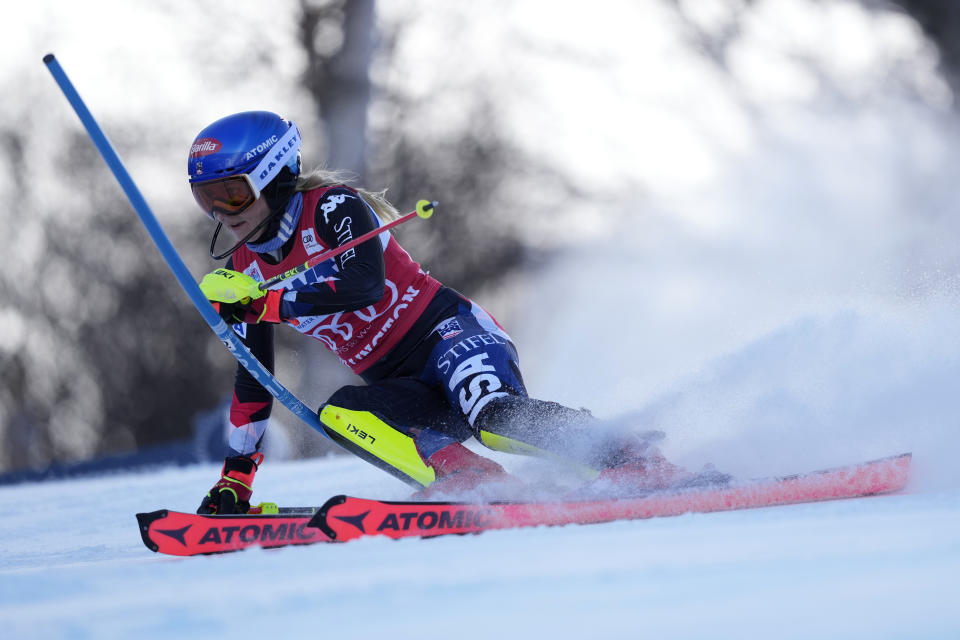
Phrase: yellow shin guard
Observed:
(377, 442)
(509, 445)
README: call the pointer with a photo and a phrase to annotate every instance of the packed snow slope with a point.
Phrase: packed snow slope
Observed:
(72, 565)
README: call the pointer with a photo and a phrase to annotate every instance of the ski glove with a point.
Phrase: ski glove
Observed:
(232, 493)
(238, 298)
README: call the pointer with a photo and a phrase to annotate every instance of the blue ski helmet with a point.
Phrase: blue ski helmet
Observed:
(258, 144)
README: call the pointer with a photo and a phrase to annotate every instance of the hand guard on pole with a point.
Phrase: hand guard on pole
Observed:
(232, 492)
(238, 298)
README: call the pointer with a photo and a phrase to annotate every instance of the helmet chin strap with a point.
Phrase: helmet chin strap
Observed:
(249, 236)
(287, 217)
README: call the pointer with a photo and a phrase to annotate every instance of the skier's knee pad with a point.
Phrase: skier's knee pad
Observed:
(407, 404)
(369, 437)
(386, 424)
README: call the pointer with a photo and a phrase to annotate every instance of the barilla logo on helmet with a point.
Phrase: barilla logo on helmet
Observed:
(204, 147)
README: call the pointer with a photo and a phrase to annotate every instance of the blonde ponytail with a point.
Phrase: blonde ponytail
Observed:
(319, 178)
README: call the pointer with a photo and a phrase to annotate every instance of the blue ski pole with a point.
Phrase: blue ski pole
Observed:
(219, 327)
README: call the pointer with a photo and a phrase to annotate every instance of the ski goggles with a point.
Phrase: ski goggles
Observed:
(228, 196)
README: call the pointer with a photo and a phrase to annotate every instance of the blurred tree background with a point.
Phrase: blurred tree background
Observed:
(101, 352)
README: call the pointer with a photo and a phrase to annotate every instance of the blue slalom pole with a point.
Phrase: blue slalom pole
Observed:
(183, 275)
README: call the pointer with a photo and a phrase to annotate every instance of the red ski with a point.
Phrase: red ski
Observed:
(345, 518)
(188, 534)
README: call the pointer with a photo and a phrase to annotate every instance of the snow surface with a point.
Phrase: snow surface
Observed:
(72, 565)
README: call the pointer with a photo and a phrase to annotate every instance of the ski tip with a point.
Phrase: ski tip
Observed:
(47, 59)
(903, 458)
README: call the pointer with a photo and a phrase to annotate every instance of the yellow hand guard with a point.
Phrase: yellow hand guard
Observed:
(224, 285)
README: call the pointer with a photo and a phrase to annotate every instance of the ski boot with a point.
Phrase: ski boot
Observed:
(458, 471)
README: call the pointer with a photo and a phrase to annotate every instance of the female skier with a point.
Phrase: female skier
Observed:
(438, 367)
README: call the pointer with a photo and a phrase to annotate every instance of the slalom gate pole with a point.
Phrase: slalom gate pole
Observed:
(183, 275)
(424, 210)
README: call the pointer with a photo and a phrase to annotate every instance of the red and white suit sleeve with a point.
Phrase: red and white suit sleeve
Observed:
(251, 405)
